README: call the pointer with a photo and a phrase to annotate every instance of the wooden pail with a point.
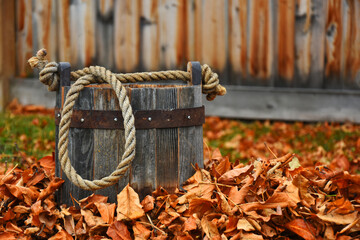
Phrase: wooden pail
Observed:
(169, 142)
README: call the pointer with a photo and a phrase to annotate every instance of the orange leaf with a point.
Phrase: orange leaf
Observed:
(7, 236)
(118, 231)
(200, 206)
(191, 223)
(148, 203)
(302, 228)
(62, 235)
(107, 211)
(129, 204)
(210, 229)
(90, 201)
(140, 231)
(51, 188)
(230, 176)
(47, 162)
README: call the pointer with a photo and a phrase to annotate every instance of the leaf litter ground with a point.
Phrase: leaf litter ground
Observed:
(275, 195)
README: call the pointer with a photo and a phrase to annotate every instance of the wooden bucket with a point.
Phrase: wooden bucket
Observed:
(169, 142)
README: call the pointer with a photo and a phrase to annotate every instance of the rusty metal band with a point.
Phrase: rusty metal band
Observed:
(144, 119)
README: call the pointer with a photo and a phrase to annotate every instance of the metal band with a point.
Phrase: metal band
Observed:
(144, 119)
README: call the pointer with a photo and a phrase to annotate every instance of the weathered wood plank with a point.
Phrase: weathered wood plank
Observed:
(350, 63)
(81, 148)
(309, 43)
(166, 151)
(334, 29)
(105, 35)
(7, 49)
(143, 169)
(190, 138)
(24, 37)
(82, 32)
(63, 22)
(127, 35)
(214, 34)
(150, 54)
(237, 40)
(285, 42)
(45, 25)
(260, 54)
(107, 153)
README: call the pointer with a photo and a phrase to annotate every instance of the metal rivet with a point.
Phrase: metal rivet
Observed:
(58, 115)
(149, 119)
(115, 119)
(189, 117)
(82, 120)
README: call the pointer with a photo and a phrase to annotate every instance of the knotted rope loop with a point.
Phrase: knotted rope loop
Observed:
(129, 126)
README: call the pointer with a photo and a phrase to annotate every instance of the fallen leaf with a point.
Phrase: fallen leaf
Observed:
(118, 231)
(140, 231)
(129, 206)
(231, 176)
(191, 223)
(51, 188)
(210, 229)
(106, 211)
(244, 224)
(62, 235)
(148, 203)
(304, 229)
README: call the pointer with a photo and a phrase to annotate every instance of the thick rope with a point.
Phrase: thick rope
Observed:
(49, 75)
(95, 74)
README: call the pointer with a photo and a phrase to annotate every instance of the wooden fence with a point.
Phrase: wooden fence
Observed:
(269, 43)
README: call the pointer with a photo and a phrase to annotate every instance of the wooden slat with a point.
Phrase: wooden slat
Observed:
(81, 149)
(214, 37)
(285, 43)
(107, 151)
(143, 168)
(260, 43)
(105, 8)
(127, 35)
(350, 69)
(7, 49)
(63, 23)
(190, 138)
(150, 54)
(237, 40)
(45, 24)
(309, 43)
(334, 28)
(105, 34)
(24, 37)
(82, 32)
(166, 151)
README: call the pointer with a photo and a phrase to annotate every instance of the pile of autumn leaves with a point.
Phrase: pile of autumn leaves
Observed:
(267, 199)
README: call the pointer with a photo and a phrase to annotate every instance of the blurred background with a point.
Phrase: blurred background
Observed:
(279, 59)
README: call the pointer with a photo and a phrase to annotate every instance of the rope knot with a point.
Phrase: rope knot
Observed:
(48, 71)
(211, 83)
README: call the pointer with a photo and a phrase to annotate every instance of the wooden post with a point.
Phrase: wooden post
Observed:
(7, 49)
(168, 120)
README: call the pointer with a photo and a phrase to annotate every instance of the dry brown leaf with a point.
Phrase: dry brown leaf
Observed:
(148, 203)
(90, 201)
(129, 206)
(107, 211)
(238, 197)
(231, 176)
(167, 216)
(341, 219)
(200, 206)
(244, 224)
(191, 223)
(8, 236)
(51, 188)
(118, 231)
(140, 231)
(62, 235)
(304, 229)
(210, 229)
(90, 219)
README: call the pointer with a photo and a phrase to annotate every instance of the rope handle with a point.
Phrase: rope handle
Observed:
(95, 74)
